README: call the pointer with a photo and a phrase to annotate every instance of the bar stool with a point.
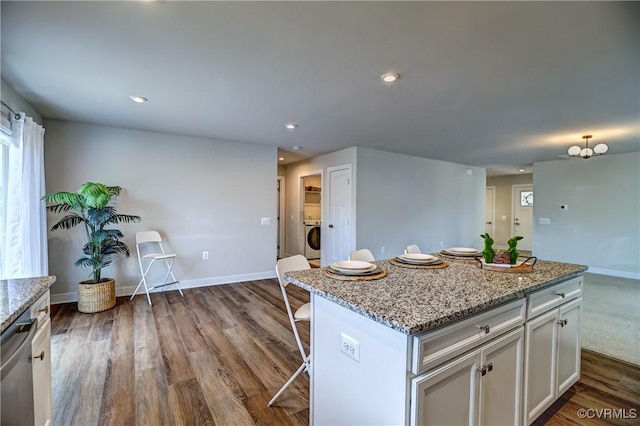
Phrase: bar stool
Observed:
(303, 313)
(153, 238)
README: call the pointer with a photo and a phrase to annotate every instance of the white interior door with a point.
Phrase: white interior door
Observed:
(489, 211)
(522, 225)
(337, 241)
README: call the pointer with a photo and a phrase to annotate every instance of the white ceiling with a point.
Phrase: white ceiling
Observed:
(485, 84)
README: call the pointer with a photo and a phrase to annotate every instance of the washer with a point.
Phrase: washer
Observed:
(312, 239)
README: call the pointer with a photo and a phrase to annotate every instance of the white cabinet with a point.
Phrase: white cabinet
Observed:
(569, 345)
(552, 358)
(435, 347)
(313, 198)
(447, 396)
(481, 387)
(501, 387)
(41, 351)
(541, 340)
(41, 363)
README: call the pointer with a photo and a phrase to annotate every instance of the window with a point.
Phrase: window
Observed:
(526, 198)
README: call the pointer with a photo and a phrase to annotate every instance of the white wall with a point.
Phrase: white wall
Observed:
(17, 102)
(406, 200)
(201, 194)
(601, 228)
(294, 214)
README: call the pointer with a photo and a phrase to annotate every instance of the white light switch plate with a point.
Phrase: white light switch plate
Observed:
(265, 220)
(544, 221)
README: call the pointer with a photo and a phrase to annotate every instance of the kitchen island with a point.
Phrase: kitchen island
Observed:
(26, 350)
(459, 345)
(17, 295)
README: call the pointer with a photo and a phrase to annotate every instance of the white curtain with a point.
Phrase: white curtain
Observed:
(24, 251)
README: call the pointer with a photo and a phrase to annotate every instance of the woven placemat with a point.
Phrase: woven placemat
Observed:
(381, 274)
(412, 266)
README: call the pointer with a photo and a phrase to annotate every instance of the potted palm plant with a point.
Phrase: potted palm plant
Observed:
(91, 206)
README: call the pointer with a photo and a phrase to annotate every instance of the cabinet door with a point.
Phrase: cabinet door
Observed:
(447, 395)
(501, 387)
(569, 345)
(540, 364)
(41, 352)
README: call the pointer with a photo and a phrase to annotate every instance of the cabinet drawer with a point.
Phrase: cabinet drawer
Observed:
(435, 347)
(543, 300)
(40, 309)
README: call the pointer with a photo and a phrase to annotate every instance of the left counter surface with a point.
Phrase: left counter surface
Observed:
(18, 294)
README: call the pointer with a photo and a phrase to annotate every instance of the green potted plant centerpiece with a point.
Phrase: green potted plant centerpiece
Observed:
(91, 206)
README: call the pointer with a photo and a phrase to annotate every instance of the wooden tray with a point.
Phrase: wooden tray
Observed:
(381, 274)
(412, 266)
(525, 266)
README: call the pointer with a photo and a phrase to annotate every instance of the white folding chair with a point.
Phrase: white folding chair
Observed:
(303, 313)
(153, 237)
(363, 255)
(412, 249)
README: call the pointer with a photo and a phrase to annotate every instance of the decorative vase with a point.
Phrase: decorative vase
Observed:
(96, 297)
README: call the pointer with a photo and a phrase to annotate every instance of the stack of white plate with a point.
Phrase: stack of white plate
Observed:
(353, 267)
(419, 259)
(462, 251)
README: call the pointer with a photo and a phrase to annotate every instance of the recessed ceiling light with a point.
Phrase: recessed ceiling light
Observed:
(138, 99)
(281, 158)
(389, 77)
(521, 170)
(290, 126)
(296, 147)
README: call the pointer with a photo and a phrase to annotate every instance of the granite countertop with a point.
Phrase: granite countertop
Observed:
(17, 295)
(415, 300)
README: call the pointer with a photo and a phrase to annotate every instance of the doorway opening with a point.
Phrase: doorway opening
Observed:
(280, 214)
(489, 211)
(502, 213)
(311, 209)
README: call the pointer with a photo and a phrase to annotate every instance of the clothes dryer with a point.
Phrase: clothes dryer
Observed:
(312, 239)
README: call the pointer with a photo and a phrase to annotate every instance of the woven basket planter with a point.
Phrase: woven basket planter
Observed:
(96, 297)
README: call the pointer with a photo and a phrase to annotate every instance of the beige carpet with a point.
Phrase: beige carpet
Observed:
(611, 317)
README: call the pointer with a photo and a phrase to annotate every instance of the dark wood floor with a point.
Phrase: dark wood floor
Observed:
(219, 354)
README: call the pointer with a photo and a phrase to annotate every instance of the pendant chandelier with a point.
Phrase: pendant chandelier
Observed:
(586, 152)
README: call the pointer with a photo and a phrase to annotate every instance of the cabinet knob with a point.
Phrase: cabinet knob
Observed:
(45, 309)
(561, 295)
(490, 367)
(562, 322)
(485, 328)
(330, 225)
(41, 356)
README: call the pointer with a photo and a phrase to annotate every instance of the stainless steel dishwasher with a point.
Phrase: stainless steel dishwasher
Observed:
(16, 406)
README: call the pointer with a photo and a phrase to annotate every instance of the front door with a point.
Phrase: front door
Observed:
(523, 215)
(338, 239)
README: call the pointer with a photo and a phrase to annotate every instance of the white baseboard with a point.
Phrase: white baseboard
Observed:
(59, 298)
(615, 273)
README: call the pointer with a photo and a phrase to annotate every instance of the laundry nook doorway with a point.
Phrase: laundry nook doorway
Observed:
(311, 208)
